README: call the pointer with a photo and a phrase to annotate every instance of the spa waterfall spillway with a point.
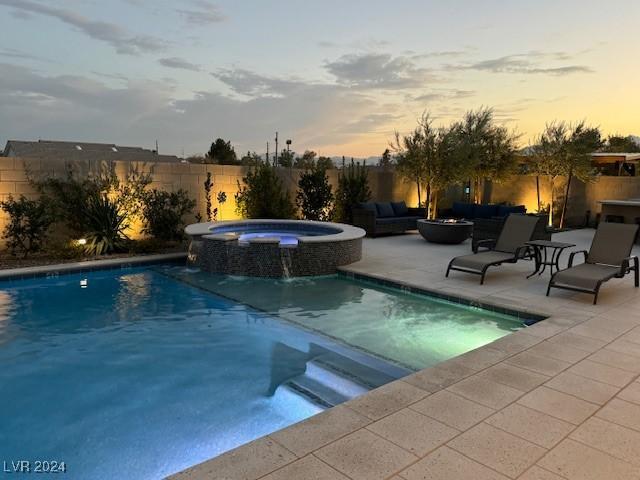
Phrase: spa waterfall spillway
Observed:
(273, 248)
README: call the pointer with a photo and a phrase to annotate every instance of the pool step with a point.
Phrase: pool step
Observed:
(356, 371)
(325, 386)
(322, 376)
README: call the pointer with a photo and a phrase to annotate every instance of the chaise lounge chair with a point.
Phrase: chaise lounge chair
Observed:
(608, 257)
(509, 248)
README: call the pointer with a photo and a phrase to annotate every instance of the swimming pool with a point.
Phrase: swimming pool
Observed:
(410, 330)
(143, 372)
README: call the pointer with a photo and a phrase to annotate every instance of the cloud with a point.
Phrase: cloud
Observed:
(179, 63)
(251, 84)
(20, 15)
(439, 54)
(202, 13)
(114, 35)
(68, 107)
(377, 70)
(444, 95)
(371, 123)
(527, 63)
(20, 55)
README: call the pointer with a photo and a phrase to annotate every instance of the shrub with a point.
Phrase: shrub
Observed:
(353, 187)
(105, 223)
(208, 186)
(70, 195)
(221, 197)
(29, 221)
(163, 213)
(315, 194)
(64, 250)
(150, 245)
(262, 195)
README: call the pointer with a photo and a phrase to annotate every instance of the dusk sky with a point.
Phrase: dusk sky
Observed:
(337, 77)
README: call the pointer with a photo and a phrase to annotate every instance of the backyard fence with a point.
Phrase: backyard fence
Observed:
(385, 185)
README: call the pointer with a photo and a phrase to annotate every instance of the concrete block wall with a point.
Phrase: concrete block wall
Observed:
(16, 172)
(521, 189)
(385, 184)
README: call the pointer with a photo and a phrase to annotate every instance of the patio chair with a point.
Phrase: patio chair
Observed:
(509, 248)
(608, 257)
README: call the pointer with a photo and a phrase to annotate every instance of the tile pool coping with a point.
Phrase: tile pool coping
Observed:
(54, 270)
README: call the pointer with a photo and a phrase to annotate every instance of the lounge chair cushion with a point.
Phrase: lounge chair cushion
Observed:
(480, 260)
(400, 208)
(385, 209)
(612, 243)
(517, 230)
(585, 275)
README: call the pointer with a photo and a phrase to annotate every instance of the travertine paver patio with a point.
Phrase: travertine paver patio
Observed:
(558, 400)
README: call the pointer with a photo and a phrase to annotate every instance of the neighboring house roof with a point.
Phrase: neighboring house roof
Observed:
(56, 150)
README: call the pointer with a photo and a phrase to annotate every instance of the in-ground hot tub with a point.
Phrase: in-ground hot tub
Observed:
(273, 248)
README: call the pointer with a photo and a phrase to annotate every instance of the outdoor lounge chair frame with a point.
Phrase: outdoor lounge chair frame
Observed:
(522, 252)
(629, 264)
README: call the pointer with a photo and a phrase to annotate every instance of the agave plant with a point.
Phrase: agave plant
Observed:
(106, 223)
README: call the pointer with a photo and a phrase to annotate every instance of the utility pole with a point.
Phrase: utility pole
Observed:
(267, 159)
(275, 162)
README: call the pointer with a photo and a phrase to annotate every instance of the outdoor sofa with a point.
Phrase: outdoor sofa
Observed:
(508, 248)
(380, 218)
(473, 211)
(609, 256)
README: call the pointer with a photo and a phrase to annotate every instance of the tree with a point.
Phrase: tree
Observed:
(286, 158)
(386, 161)
(430, 158)
(488, 150)
(262, 195)
(29, 221)
(250, 159)
(306, 160)
(222, 153)
(325, 163)
(353, 188)
(563, 150)
(315, 195)
(620, 144)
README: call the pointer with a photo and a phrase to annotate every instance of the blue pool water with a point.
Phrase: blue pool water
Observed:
(141, 373)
